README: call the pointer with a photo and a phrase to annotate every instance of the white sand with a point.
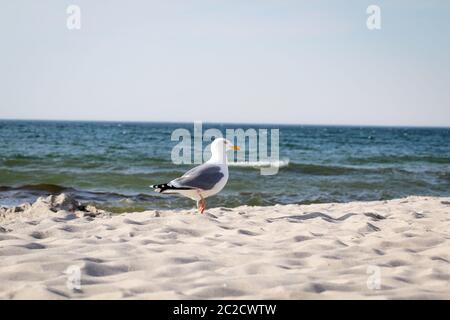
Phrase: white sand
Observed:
(327, 251)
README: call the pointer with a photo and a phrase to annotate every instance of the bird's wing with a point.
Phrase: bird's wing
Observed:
(204, 177)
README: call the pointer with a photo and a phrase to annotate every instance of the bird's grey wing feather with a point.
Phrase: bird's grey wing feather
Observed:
(205, 177)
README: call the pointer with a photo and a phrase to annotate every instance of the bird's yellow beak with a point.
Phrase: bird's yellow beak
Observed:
(235, 148)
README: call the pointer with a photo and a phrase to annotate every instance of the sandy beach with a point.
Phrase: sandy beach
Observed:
(397, 249)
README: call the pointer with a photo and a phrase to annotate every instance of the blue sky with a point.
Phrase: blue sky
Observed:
(261, 61)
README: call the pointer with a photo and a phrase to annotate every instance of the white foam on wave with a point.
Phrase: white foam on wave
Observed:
(259, 164)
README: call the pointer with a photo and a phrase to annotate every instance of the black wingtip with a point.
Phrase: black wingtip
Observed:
(160, 187)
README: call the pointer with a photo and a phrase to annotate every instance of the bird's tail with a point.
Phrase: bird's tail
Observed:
(161, 187)
(168, 187)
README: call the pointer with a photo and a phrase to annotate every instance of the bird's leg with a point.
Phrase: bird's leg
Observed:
(202, 204)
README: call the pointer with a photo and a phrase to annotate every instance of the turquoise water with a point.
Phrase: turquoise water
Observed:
(112, 164)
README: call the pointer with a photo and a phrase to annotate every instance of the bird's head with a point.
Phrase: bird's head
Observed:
(221, 145)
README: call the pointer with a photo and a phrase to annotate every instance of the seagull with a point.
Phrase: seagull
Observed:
(204, 180)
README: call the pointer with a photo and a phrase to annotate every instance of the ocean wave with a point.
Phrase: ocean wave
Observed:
(260, 164)
(317, 169)
(42, 187)
(387, 159)
(334, 170)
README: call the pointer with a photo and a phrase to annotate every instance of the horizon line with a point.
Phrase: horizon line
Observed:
(233, 123)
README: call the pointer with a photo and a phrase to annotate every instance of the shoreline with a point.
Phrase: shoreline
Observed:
(393, 249)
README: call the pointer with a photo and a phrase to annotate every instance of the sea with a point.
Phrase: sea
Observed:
(112, 164)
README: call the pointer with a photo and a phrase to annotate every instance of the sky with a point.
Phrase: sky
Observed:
(259, 61)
